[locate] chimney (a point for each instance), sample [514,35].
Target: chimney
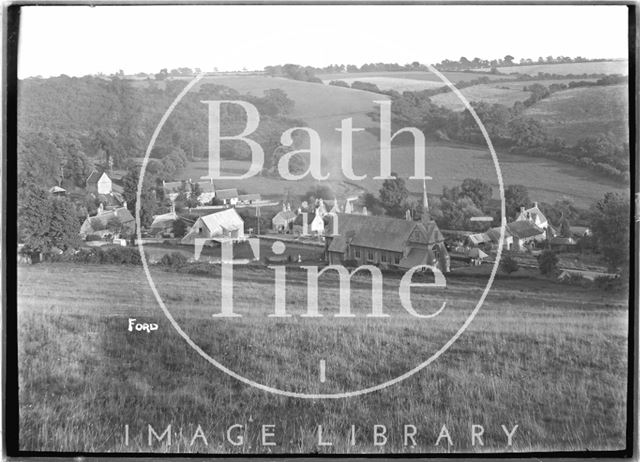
[407,215]
[521,209]
[535,204]
[364,210]
[100,208]
[124,204]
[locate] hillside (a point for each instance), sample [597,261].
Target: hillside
[489,93]
[599,67]
[574,113]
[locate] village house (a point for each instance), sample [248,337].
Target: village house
[207,191]
[283,220]
[116,222]
[227,196]
[219,226]
[533,215]
[525,234]
[315,225]
[99,183]
[494,235]
[172,190]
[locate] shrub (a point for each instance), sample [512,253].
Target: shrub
[173,259]
[548,262]
[609,284]
[93,237]
[509,265]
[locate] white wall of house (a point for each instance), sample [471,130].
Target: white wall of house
[105,186]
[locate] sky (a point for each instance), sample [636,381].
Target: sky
[81,40]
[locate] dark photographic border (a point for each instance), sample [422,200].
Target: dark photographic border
[11,28]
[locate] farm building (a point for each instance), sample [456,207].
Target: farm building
[207,190]
[533,215]
[109,223]
[477,240]
[227,196]
[562,243]
[494,235]
[163,224]
[249,199]
[386,241]
[219,226]
[99,183]
[172,189]
[476,256]
[525,233]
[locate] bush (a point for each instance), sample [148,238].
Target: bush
[509,265]
[609,284]
[93,237]
[548,262]
[174,259]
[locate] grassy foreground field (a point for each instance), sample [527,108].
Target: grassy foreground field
[551,359]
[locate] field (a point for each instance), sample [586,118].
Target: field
[603,67]
[454,77]
[549,358]
[323,107]
[489,93]
[580,112]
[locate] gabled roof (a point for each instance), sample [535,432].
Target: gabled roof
[476,253]
[283,215]
[164,220]
[494,233]
[226,219]
[95,176]
[57,189]
[227,193]
[249,197]
[479,238]
[300,217]
[206,186]
[175,186]
[523,229]
[532,212]
[562,241]
[121,214]
[383,233]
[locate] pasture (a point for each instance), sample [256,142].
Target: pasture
[602,67]
[549,358]
[454,77]
[580,112]
[489,93]
[322,107]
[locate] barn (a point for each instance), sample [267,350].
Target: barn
[223,225]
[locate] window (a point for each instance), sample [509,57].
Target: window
[370,255]
[357,253]
[396,259]
[383,257]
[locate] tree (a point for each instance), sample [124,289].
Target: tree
[548,262]
[393,195]
[515,197]
[477,190]
[610,224]
[148,197]
[509,264]
[45,222]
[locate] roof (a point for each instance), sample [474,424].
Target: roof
[494,233]
[283,215]
[206,186]
[479,238]
[175,186]
[581,230]
[249,197]
[95,176]
[57,189]
[523,229]
[226,219]
[383,232]
[164,220]
[227,193]
[122,214]
[476,253]
[562,241]
[533,212]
